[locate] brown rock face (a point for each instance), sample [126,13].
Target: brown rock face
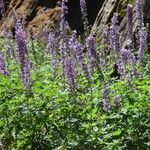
[41,13]
[37,13]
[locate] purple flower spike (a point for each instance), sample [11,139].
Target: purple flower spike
[77,49]
[70,74]
[139,13]
[117,101]
[22,51]
[2,7]
[51,44]
[106,47]
[72,43]
[63,36]
[3,69]
[114,34]
[126,56]
[83,7]
[130,22]
[105,97]
[63,22]
[114,19]
[105,38]
[143,43]
[91,49]
[84,15]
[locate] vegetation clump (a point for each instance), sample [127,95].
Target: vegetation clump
[73,92]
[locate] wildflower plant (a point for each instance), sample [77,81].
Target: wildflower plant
[86,108]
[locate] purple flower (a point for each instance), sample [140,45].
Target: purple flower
[104,51]
[126,59]
[139,13]
[105,38]
[2,7]
[83,8]
[126,56]
[63,36]
[130,22]
[91,49]
[77,49]
[72,43]
[117,101]
[114,19]
[105,96]
[95,61]
[143,44]
[3,69]
[10,45]
[63,22]
[51,44]
[50,50]
[84,15]
[22,51]
[114,34]
[70,73]
[121,68]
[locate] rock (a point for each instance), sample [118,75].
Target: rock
[46,13]
[37,13]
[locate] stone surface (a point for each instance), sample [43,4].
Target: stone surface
[37,13]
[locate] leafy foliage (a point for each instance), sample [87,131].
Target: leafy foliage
[49,116]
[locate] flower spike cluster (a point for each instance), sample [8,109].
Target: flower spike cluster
[22,52]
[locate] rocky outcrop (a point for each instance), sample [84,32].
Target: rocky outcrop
[37,14]
[46,13]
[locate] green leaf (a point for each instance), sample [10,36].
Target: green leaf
[117,132]
[1,123]
[73,120]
